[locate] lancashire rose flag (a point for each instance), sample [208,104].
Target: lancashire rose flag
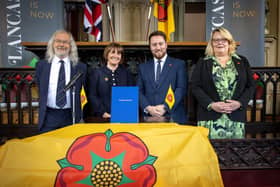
[83,97]
[170,98]
[131,155]
[163,11]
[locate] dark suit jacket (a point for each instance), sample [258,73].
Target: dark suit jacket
[100,83]
[204,90]
[174,74]
[42,78]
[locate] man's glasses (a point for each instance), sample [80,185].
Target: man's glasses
[62,41]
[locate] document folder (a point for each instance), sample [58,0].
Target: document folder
[124,107]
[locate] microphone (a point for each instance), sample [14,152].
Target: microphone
[73,81]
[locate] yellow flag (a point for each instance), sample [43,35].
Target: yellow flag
[170,98]
[133,155]
[83,97]
[163,10]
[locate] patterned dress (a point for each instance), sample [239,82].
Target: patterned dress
[225,79]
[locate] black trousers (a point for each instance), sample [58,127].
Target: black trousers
[56,118]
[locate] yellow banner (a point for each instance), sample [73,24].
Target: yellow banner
[131,155]
[163,11]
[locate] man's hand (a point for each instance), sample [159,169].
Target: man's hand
[161,109]
[153,111]
[106,115]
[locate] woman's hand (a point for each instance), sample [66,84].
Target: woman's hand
[233,105]
[226,107]
[220,107]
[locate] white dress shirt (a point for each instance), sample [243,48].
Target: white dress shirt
[55,66]
[162,61]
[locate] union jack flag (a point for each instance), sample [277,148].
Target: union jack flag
[93,18]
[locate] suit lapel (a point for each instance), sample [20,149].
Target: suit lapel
[151,72]
[209,65]
[47,73]
[73,70]
[168,65]
[237,65]
[239,70]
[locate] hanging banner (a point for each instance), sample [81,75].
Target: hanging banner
[245,21]
[30,21]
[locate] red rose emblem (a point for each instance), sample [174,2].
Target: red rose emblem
[170,97]
[107,159]
[162,10]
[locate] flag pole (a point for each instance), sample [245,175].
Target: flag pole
[149,19]
[111,23]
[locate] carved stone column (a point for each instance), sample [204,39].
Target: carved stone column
[270,51]
[273,29]
[179,13]
[278,35]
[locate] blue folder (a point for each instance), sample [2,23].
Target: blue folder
[124,107]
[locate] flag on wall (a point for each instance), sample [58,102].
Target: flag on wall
[163,10]
[170,98]
[83,97]
[93,18]
[153,155]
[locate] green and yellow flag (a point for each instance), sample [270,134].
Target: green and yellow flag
[131,155]
[163,11]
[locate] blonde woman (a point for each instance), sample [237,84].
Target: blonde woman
[222,85]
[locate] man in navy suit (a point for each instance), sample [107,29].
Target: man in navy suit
[55,106]
[154,79]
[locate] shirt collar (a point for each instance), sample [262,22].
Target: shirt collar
[163,59]
[56,59]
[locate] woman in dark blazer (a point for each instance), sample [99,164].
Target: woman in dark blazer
[101,81]
[222,84]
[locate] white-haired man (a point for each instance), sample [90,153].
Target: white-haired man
[52,75]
